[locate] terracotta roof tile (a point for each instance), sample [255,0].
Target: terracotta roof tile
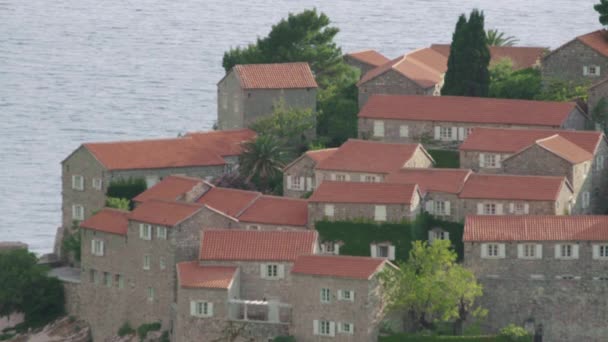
[277,211]
[250,245]
[169,189]
[359,192]
[224,143]
[229,201]
[318,155]
[193,275]
[337,266]
[565,149]
[536,228]
[521,56]
[440,180]
[467,109]
[368,156]
[108,220]
[164,213]
[510,187]
[596,40]
[275,76]
[371,57]
[513,140]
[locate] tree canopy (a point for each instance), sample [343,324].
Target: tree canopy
[497,38]
[602,9]
[262,163]
[467,73]
[506,83]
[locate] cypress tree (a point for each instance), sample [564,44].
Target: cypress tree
[452,85]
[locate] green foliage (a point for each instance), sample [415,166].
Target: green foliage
[118,203]
[165,337]
[126,188]
[433,338]
[467,73]
[284,339]
[557,90]
[262,161]
[497,38]
[599,114]
[6,336]
[514,333]
[602,10]
[71,242]
[338,108]
[431,287]
[125,330]
[144,329]
[445,158]
[358,235]
[293,127]
[26,288]
[508,84]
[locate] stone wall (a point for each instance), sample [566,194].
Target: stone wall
[357,64]
[390,83]
[351,211]
[262,102]
[321,175]
[267,226]
[567,62]
[595,94]
[456,214]
[230,103]
[71,292]
[303,167]
[470,160]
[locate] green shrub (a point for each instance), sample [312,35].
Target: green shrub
[125,330]
[284,339]
[514,333]
[445,158]
[118,203]
[144,329]
[126,188]
[165,337]
[71,243]
[434,338]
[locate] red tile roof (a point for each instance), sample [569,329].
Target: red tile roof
[318,155]
[510,187]
[521,56]
[597,40]
[277,211]
[440,180]
[513,140]
[467,109]
[565,149]
[250,245]
[229,201]
[536,228]
[224,143]
[164,213]
[352,267]
[371,57]
[359,192]
[369,156]
[424,66]
[108,220]
[192,275]
[169,189]
[275,76]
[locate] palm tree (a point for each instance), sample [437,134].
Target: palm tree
[497,38]
[263,159]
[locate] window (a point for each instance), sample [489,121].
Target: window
[325,295]
[404,131]
[161,233]
[529,251]
[272,271]
[150,293]
[97,247]
[599,163]
[341,177]
[325,328]
[370,179]
[296,184]
[586,199]
[519,209]
[329,210]
[591,70]
[161,263]
[438,234]
[145,231]
[469,130]
[146,262]
[330,247]
[492,250]
[490,160]
[346,328]
[97,183]
[77,212]
[566,251]
[253,227]
[445,133]
[489,209]
[347,295]
[439,208]
[201,309]
[77,182]
[380,213]
[378,128]
[120,281]
[382,252]
[602,251]
[107,279]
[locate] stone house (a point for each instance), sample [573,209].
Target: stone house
[365,60]
[337,298]
[580,156]
[440,186]
[484,194]
[299,175]
[88,171]
[379,202]
[369,161]
[582,61]
[251,91]
[552,269]
[446,121]
[596,93]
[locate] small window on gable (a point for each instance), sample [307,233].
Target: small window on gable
[78,182]
[272,271]
[97,183]
[591,70]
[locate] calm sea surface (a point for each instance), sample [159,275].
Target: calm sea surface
[87,70]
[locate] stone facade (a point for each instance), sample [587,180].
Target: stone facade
[239,108]
[393,83]
[596,93]
[565,297]
[364,312]
[303,169]
[351,211]
[449,212]
[473,160]
[359,65]
[567,64]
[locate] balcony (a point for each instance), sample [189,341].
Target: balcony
[259,311]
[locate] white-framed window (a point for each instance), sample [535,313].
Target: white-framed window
[272,271]
[566,251]
[78,182]
[439,207]
[346,328]
[370,179]
[520,208]
[97,247]
[591,70]
[445,133]
[120,281]
[529,251]
[325,295]
[468,131]
[252,227]
[492,250]
[296,183]
[404,131]
[347,295]
[490,160]
[77,212]
[586,199]
[382,250]
[145,231]
[161,233]
[162,263]
[600,252]
[330,247]
[147,262]
[599,163]
[380,213]
[151,181]
[324,328]
[107,279]
[329,210]
[97,183]
[438,234]
[489,209]
[201,308]
[341,177]
[378,128]
[150,294]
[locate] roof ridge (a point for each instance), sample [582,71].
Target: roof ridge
[183,138]
[248,205]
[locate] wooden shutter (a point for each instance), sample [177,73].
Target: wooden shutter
[340,294]
[482,158]
[499,209]
[447,235]
[596,251]
[391,252]
[479,208]
[340,330]
[315,327]
[557,251]
[263,271]
[332,328]
[93,247]
[437,132]
[484,250]
[501,250]
[575,251]
[281,271]
[461,133]
[373,251]
[497,159]
[102,247]
[520,250]
[141,230]
[454,133]
[431,236]
[404,131]
[597,70]
[308,183]
[585,70]
[539,251]
[448,210]
[336,249]
[192,308]
[333,176]
[209,309]
[526,208]
[302,183]
[352,295]
[289,182]
[428,206]
[511,208]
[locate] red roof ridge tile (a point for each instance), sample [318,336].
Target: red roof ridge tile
[190,274]
[338,266]
[219,212]
[369,56]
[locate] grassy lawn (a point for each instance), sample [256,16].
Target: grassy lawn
[446,158]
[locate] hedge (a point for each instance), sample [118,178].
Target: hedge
[126,188]
[446,158]
[357,235]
